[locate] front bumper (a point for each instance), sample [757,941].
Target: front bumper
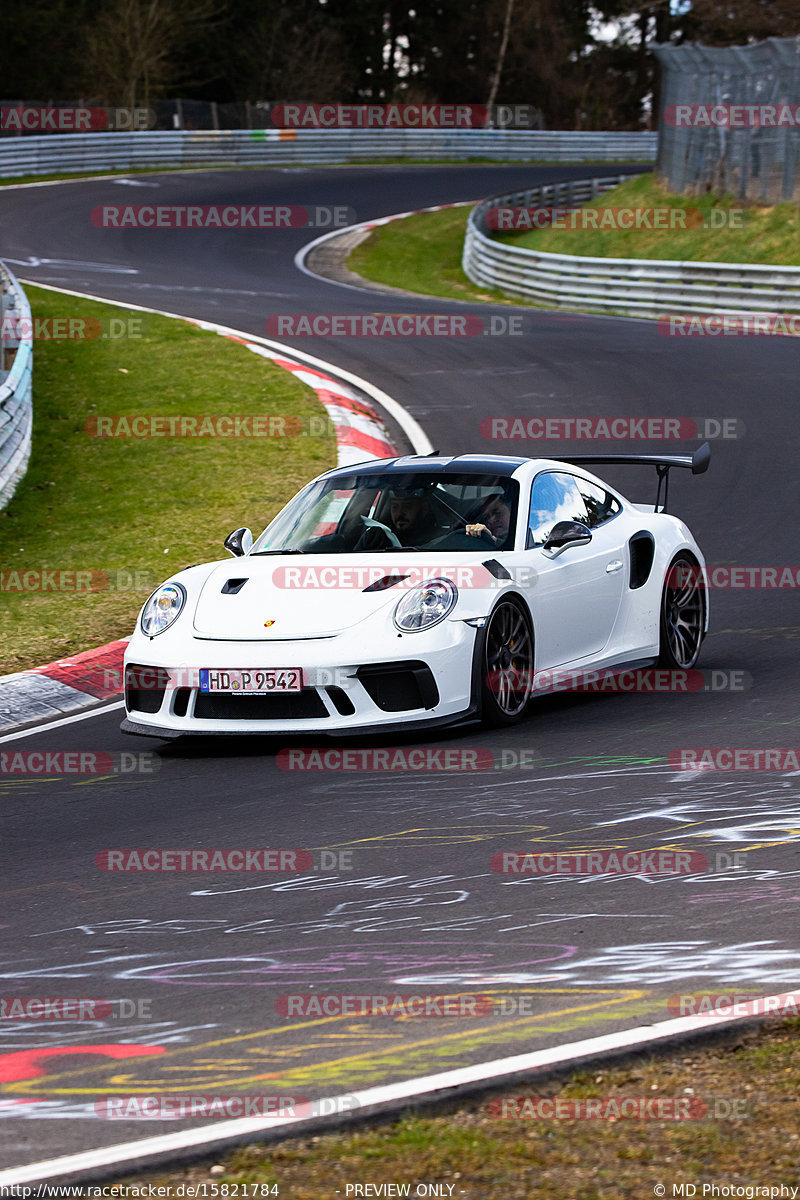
[346,689]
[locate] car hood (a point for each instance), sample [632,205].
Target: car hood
[276,597]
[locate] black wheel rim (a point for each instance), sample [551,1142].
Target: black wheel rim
[683,614]
[509,659]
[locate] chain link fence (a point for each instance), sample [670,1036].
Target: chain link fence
[730,120]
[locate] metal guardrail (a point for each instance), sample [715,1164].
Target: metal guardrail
[16,369]
[633,287]
[81,152]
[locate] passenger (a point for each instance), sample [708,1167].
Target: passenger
[495,519]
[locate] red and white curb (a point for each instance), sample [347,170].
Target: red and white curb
[61,688]
[83,681]
[360,434]
[415,212]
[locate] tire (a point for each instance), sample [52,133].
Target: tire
[683,613]
[505,665]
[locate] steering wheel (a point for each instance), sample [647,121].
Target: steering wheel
[464,541]
[393,538]
[483,536]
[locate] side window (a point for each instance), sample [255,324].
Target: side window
[599,504]
[554,497]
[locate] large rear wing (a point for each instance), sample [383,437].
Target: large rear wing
[697,463]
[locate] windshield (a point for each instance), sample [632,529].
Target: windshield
[363,513]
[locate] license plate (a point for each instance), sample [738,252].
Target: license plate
[251,681]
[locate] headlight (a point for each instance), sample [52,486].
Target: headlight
[163,607]
[425,605]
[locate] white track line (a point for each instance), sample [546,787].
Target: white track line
[83,716]
[359,1103]
[304,251]
[411,428]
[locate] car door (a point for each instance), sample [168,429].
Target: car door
[577,594]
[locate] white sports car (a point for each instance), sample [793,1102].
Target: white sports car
[418,592]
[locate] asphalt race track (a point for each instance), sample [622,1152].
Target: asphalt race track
[411,904]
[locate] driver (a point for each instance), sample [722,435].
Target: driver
[495,519]
[411,516]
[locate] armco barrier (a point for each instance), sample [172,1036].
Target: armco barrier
[634,287]
[74,153]
[16,368]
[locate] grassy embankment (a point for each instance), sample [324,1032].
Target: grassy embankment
[138,509]
[423,253]
[753,1139]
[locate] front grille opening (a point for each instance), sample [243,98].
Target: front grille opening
[341,701]
[290,706]
[145,687]
[180,703]
[399,687]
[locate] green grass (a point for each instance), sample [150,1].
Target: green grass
[355,162]
[55,176]
[421,254]
[482,1155]
[766,234]
[144,507]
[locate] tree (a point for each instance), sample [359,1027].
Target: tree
[134,50]
[285,49]
[39,52]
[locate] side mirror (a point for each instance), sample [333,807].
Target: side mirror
[565,534]
[239,542]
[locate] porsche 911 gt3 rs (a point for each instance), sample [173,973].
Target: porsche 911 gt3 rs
[420,591]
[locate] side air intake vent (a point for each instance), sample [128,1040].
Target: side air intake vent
[642,547]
